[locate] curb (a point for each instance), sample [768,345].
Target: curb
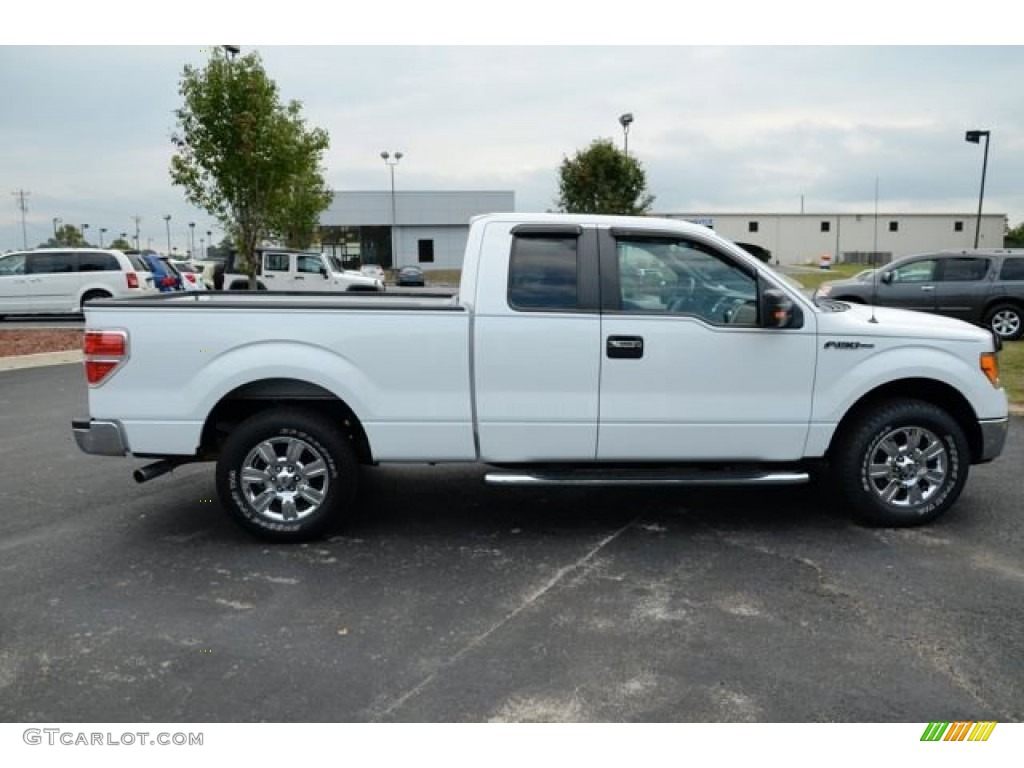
[16,362]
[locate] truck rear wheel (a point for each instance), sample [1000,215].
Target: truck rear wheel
[904,464]
[287,475]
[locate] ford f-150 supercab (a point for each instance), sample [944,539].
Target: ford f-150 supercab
[578,350]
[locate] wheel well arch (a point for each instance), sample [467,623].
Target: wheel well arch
[931,391]
[996,301]
[265,394]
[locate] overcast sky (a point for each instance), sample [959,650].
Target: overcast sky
[85,130]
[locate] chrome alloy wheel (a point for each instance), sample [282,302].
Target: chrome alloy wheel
[907,466]
[1006,323]
[285,479]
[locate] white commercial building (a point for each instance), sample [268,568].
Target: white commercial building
[424,228]
[801,238]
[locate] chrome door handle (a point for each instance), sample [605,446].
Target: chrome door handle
[927,287]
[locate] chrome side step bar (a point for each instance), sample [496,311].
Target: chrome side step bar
[646,477]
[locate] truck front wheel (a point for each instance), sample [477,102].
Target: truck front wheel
[287,474]
[904,464]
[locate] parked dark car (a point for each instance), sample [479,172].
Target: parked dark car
[985,287]
[411,275]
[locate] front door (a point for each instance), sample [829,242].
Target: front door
[688,373]
[13,284]
[909,286]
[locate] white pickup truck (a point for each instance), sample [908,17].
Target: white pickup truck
[579,350]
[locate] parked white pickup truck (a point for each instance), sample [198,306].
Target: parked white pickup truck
[579,350]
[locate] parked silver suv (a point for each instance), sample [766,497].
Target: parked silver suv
[985,287]
[60,280]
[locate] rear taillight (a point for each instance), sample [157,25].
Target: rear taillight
[133,279]
[104,351]
[190,277]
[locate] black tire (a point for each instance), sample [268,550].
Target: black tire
[90,295]
[1006,321]
[318,500]
[921,459]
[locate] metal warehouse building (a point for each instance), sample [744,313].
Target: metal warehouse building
[430,228]
[800,238]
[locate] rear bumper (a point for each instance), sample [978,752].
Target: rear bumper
[104,438]
[993,438]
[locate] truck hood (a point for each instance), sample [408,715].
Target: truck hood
[898,322]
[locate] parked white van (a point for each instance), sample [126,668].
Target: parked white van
[60,280]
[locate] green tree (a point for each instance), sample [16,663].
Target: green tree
[120,244]
[1014,237]
[603,179]
[246,158]
[67,236]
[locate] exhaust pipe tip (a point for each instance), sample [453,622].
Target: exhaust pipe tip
[150,471]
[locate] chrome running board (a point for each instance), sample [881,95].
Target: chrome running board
[646,477]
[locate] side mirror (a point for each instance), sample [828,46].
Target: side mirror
[778,310]
[323,271]
[886,277]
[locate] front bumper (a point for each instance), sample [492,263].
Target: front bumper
[104,438]
[993,438]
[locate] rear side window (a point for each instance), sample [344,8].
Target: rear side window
[543,273]
[964,269]
[137,263]
[51,263]
[1013,269]
[276,262]
[97,262]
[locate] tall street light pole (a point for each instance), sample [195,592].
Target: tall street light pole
[975,138]
[103,231]
[625,120]
[56,221]
[191,239]
[391,163]
[167,221]
[84,227]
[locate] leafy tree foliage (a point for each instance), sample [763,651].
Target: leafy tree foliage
[246,158]
[1014,237]
[120,244]
[67,236]
[603,179]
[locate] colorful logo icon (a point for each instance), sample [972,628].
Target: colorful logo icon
[958,731]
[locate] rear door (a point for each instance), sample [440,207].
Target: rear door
[536,345]
[687,371]
[53,281]
[963,287]
[277,271]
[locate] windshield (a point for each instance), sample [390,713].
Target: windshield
[336,265]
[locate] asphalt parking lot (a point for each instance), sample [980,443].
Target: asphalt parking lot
[444,600]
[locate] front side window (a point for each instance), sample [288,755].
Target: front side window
[14,264]
[51,263]
[964,269]
[683,277]
[915,272]
[309,264]
[543,273]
